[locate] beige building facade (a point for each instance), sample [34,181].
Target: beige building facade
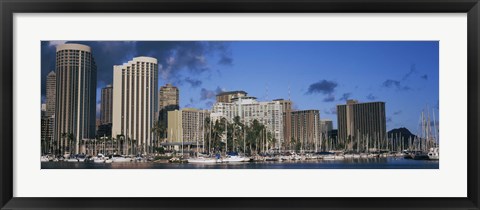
[187,124]
[268,113]
[227,97]
[306,129]
[106,105]
[75,96]
[51,92]
[363,120]
[135,100]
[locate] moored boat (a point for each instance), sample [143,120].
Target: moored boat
[121,159]
[202,160]
[434,153]
[44,159]
[100,158]
[81,158]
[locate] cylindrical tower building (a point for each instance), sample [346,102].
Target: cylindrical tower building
[75,107]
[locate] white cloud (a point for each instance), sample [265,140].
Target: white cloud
[56,43]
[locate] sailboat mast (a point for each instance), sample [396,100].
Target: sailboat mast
[196,133]
[226,137]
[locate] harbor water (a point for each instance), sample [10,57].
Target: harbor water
[361,163]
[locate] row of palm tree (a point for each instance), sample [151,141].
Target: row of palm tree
[222,136]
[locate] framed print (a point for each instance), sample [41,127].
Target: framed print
[239,105]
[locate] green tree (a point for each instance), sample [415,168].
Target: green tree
[70,142]
[63,143]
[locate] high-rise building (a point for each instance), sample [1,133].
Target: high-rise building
[75,97]
[248,109]
[50,97]
[226,97]
[326,127]
[135,101]
[168,100]
[106,105]
[287,121]
[363,120]
[306,129]
[47,133]
[44,109]
[187,124]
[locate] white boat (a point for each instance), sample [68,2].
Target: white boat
[121,159]
[329,157]
[44,159]
[108,161]
[71,159]
[339,157]
[66,155]
[348,156]
[203,160]
[434,153]
[81,158]
[99,159]
[235,158]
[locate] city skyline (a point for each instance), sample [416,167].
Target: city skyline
[314,75]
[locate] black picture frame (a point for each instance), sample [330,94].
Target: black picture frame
[10,7]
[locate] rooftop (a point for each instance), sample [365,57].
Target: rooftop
[232,92]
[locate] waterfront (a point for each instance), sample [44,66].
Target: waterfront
[364,163]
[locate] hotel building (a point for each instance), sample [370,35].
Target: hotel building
[226,97]
[326,126]
[365,120]
[268,113]
[135,100]
[75,96]
[306,129]
[50,97]
[187,124]
[287,122]
[106,105]
[168,100]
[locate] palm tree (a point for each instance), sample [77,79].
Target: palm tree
[254,134]
[270,140]
[120,138]
[206,127]
[64,136]
[237,130]
[70,141]
[218,132]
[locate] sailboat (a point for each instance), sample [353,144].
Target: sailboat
[434,153]
[202,159]
[425,140]
[234,157]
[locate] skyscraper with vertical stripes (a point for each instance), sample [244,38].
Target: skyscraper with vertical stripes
[305,129]
[106,105]
[361,120]
[135,101]
[75,103]
[50,97]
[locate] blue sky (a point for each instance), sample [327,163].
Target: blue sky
[313,74]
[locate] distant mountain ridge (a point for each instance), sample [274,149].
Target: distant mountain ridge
[400,133]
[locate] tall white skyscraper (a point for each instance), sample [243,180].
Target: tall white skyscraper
[76,83]
[135,99]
